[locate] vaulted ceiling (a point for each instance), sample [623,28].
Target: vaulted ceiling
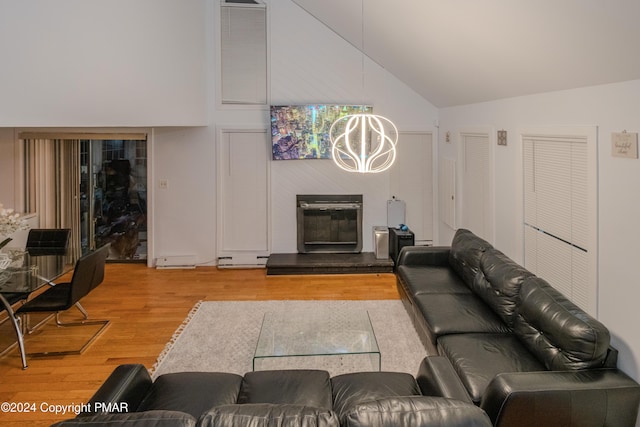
[456,52]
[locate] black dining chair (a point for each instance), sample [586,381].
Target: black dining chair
[87,275]
[47,241]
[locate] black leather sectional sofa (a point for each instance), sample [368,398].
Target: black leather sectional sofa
[504,349]
[507,340]
[283,398]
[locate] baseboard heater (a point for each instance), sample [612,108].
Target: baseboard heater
[176,262]
[242,261]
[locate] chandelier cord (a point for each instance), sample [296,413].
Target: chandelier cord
[362,52]
[364,142]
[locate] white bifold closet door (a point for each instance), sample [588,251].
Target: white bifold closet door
[558,218]
[243,198]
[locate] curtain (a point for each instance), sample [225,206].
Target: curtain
[52,185]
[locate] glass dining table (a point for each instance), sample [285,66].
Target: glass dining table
[27,273]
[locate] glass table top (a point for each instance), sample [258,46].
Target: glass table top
[316,333]
[26,273]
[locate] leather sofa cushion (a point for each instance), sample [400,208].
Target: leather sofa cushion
[457,313]
[268,415]
[133,419]
[558,332]
[304,387]
[477,358]
[431,280]
[415,411]
[499,284]
[351,389]
[205,389]
[465,253]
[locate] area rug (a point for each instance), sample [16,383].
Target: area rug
[221,336]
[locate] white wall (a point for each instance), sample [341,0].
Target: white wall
[612,108]
[308,64]
[7,168]
[152,64]
[182,216]
[102,63]
[311,64]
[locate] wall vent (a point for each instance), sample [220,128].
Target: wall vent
[243,2]
[242,261]
[176,261]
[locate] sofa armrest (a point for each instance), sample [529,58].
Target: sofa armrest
[436,377]
[424,255]
[122,391]
[589,397]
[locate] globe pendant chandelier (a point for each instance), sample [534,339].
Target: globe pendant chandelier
[364,143]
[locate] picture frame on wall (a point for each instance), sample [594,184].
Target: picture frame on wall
[302,131]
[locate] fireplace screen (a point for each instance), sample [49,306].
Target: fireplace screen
[329,223]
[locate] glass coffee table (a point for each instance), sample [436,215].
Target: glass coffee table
[306,334]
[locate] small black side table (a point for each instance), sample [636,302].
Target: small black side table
[397,240]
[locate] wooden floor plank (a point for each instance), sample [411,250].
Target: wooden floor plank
[145,307]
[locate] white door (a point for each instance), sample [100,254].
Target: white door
[243,198]
[411,180]
[476,207]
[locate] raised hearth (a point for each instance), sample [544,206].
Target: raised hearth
[327,263]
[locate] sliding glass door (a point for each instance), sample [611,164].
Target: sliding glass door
[113,197]
[93,184]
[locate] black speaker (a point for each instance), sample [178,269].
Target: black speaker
[399,239]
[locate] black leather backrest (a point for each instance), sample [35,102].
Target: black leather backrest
[133,419]
[101,258]
[354,388]
[464,257]
[268,414]
[192,392]
[47,241]
[558,332]
[416,411]
[303,387]
[499,283]
[88,273]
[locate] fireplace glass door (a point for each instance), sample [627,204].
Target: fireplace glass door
[329,223]
[331,227]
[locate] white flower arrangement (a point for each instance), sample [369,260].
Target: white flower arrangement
[10,222]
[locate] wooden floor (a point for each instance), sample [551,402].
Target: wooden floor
[145,307]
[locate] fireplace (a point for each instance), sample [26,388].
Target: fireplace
[329,223]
